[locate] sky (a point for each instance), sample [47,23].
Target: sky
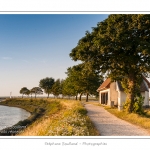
[33,47]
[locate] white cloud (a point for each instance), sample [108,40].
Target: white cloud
[6,58]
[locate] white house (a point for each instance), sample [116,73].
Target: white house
[112,93]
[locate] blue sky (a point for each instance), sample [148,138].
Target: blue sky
[33,47]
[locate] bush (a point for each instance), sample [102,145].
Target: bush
[137,106]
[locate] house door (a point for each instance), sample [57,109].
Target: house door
[104,98]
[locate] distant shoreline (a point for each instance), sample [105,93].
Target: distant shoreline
[1,99]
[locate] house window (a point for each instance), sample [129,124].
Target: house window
[104,98]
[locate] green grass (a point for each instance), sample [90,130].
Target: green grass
[37,108]
[53,117]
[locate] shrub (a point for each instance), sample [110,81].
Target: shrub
[138,105]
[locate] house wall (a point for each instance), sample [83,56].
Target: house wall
[113,93]
[107,90]
[121,99]
[146,98]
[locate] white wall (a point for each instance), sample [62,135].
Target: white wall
[146,99]
[121,99]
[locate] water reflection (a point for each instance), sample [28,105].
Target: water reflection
[11,115]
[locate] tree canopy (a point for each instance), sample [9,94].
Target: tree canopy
[120,47]
[24,91]
[36,91]
[56,89]
[83,80]
[47,84]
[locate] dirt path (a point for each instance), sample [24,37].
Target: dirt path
[109,125]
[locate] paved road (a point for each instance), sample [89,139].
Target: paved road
[109,125]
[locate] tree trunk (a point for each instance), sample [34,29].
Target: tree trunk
[48,95]
[76,97]
[80,97]
[35,95]
[130,97]
[87,97]
[132,91]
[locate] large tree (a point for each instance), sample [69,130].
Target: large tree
[56,88]
[69,88]
[24,91]
[47,84]
[84,79]
[73,81]
[120,47]
[36,91]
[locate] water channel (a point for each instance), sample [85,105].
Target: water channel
[11,115]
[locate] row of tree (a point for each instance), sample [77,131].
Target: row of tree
[34,90]
[49,85]
[78,82]
[81,80]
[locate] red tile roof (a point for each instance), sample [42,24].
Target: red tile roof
[104,84]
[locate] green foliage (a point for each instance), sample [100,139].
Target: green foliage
[137,106]
[56,88]
[36,91]
[24,91]
[82,79]
[47,84]
[119,46]
[69,88]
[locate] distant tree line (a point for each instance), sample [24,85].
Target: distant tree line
[79,81]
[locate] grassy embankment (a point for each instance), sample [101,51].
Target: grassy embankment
[51,117]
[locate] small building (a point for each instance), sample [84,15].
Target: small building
[112,93]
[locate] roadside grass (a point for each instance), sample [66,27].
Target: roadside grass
[139,120]
[71,120]
[55,117]
[37,108]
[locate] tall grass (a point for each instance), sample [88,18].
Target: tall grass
[58,117]
[71,120]
[37,108]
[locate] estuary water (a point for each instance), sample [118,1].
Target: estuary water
[11,115]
